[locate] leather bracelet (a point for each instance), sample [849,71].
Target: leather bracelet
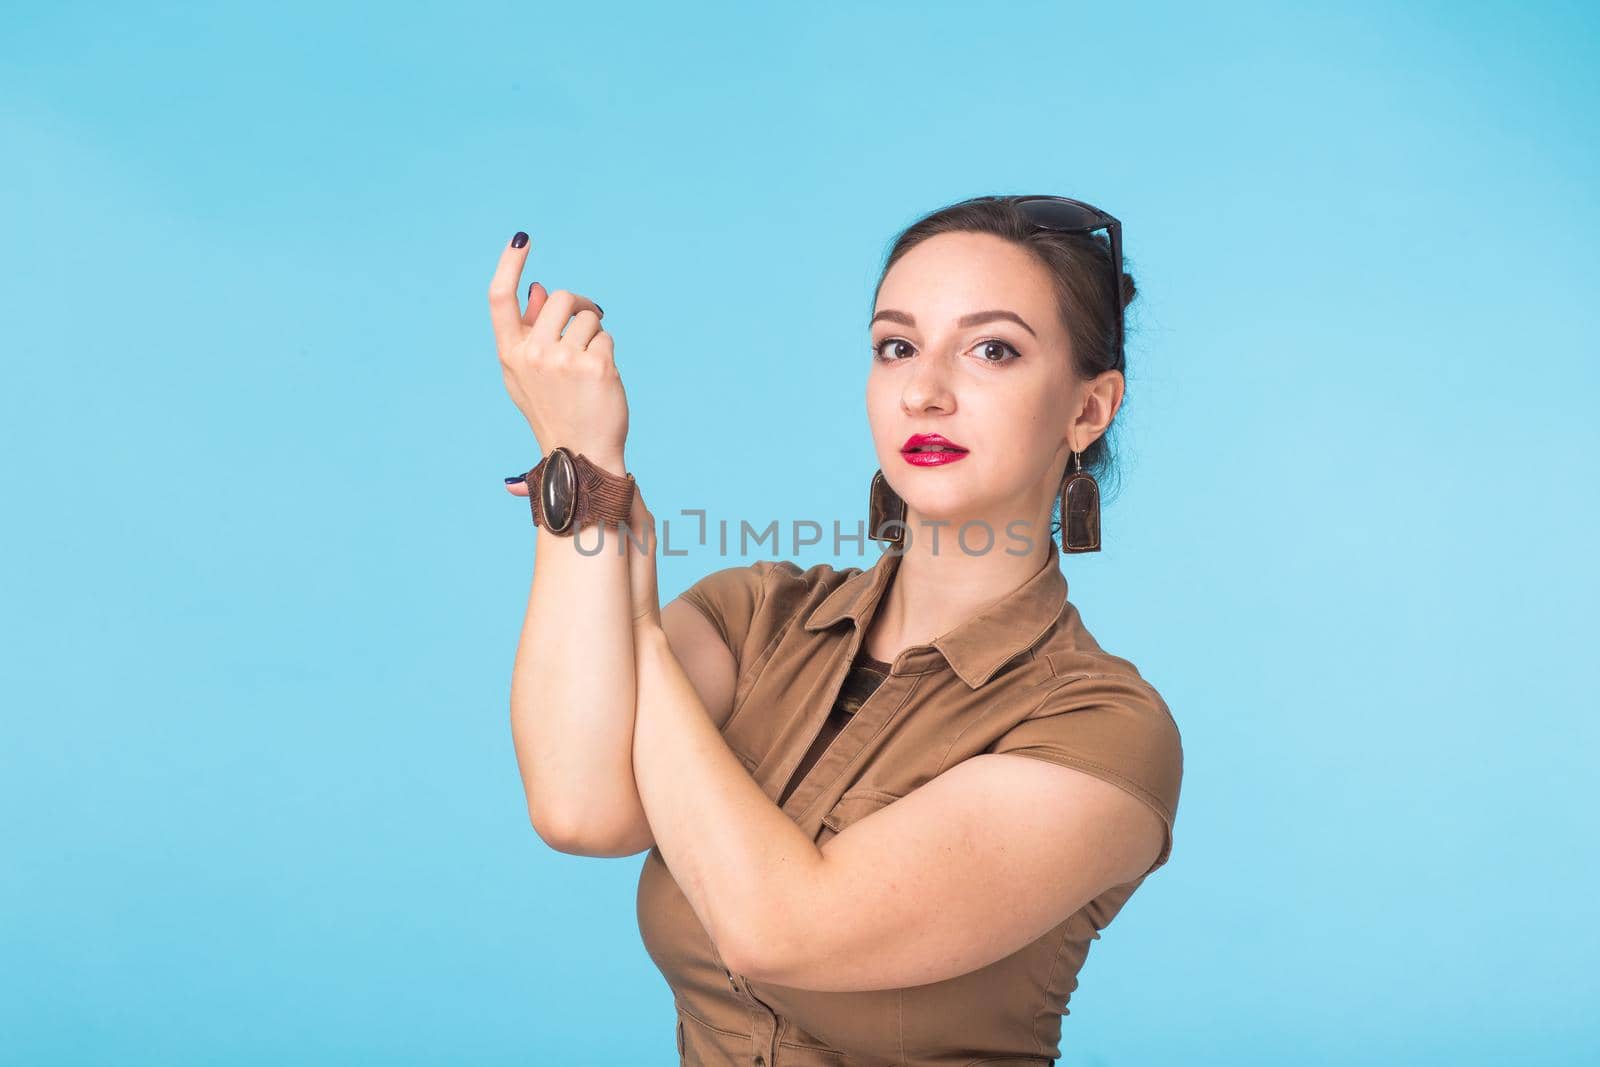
[568,491]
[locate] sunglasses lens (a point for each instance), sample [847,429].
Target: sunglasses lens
[1060,214]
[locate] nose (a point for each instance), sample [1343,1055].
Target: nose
[927,387]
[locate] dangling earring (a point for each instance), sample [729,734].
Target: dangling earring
[1080,509]
[884,506]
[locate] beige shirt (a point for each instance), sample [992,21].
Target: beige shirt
[1022,676]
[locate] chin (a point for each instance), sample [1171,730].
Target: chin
[950,505]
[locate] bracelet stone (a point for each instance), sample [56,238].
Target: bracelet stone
[567,491]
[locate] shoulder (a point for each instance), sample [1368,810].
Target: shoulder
[751,581]
[1098,714]
[780,579]
[750,600]
[1083,675]
[738,579]
[793,588]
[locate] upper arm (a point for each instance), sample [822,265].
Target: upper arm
[707,626]
[1076,797]
[706,658]
[1113,725]
[965,870]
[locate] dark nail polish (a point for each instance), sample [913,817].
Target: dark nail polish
[514,479]
[599,310]
[530,289]
[519,240]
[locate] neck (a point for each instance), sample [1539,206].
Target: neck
[933,592]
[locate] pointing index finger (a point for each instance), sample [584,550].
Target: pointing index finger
[504,311]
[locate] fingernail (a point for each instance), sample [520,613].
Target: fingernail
[519,239]
[530,289]
[599,310]
[514,479]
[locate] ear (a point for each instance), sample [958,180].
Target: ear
[1102,398]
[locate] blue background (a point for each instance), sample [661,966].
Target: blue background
[263,586]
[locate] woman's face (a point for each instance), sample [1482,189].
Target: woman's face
[1004,391]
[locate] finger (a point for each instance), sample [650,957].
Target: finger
[585,324]
[639,516]
[560,307]
[642,534]
[603,344]
[537,295]
[516,486]
[504,312]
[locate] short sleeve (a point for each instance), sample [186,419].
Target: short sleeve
[730,598]
[1115,727]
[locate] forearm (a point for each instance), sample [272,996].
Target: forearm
[572,686]
[729,847]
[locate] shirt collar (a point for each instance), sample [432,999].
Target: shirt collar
[983,644]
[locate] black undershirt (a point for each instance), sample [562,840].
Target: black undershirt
[866,674]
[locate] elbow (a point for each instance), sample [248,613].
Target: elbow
[737,962]
[562,836]
[571,840]
[750,951]
[557,825]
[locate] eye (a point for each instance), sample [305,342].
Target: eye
[983,346]
[877,351]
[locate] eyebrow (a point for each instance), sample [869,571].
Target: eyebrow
[977,318]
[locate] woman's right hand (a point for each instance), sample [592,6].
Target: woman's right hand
[565,384]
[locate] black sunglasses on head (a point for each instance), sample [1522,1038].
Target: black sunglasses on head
[1065,215]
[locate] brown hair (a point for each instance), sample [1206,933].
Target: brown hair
[1080,269]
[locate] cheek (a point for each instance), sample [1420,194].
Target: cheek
[1021,417]
[1022,436]
[883,405]
[884,392]
[1044,412]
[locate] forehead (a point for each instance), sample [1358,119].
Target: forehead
[962,271]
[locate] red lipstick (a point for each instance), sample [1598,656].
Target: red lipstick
[931,450]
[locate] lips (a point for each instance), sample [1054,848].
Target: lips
[931,450]
[931,442]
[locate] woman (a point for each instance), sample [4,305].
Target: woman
[853,860]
